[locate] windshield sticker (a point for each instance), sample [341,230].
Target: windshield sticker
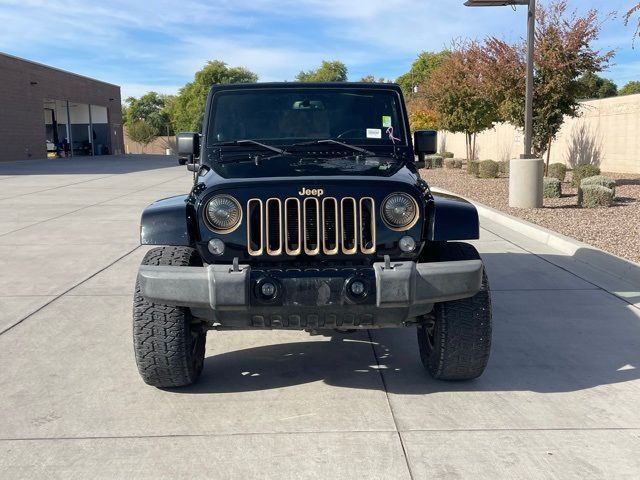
[386,121]
[374,133]
[391,137]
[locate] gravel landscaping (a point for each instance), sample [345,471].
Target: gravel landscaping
[615,229]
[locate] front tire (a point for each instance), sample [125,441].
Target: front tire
[455,342]
[169,343]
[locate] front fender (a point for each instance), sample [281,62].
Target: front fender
[452,218]
[168,222]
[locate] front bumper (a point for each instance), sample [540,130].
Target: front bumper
[312,298]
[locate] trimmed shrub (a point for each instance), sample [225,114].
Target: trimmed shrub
[446,154]
[583,171]
[596,196]
[488,169]
[452,163]
[552,187]
[557,170]
[473,167]
[433,161]
[503,167]
[599,180]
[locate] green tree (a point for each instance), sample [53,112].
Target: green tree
[141,132]
[150,108]
[329,71]
[372,79]
[186,110]
[564,53]
[594,86]
[630,88]
[421,116]
[458,94]
[420,71]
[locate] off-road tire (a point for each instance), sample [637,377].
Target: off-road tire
[456,342]
[168,342]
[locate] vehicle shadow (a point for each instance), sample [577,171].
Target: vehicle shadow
[104,164]
[560,336]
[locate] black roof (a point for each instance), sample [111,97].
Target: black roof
[363,85]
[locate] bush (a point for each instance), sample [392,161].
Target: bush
[596,196]
[433,161]
[446,155]
[599,180]
[473,167]
[583,171]
[557,170]
[552,187]
[488,169]
[452,163]
[503,167]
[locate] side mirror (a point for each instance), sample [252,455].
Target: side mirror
[188,145]
[425,142]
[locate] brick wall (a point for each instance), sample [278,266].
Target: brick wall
[25,85]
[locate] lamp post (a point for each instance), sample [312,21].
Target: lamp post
[525,181]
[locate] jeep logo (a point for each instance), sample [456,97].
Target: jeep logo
[316,192]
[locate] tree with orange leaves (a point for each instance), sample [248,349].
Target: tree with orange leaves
[458,92]
[563,53]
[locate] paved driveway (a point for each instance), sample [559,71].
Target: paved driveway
[560,398]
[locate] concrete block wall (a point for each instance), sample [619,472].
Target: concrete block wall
[610,128]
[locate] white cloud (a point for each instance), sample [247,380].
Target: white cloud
[160,44]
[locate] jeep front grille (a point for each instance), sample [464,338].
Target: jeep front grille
[313,226]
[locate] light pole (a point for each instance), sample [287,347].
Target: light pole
[525,182]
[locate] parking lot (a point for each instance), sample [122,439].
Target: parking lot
[560,397]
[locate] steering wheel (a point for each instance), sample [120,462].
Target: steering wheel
[354,133]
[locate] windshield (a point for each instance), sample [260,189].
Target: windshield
[285,116]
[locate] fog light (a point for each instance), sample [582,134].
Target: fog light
[357,287]
[407,244]
[216,246]
[268,289]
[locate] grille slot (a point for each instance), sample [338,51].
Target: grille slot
[367,225]
[292,220]
[330,226]
[312,226]
[254,227]
[274,226]
[349,226]
[311,214]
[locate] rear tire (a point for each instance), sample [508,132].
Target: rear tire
[169,344]
[455,342]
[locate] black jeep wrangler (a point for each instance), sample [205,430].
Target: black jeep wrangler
[308,213]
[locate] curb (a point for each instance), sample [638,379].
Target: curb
[583,252]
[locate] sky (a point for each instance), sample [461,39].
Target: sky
[158,45]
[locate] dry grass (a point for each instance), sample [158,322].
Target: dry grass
[615,230]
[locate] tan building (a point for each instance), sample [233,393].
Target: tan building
[45,111]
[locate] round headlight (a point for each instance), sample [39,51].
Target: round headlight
[223,213]
[399,211]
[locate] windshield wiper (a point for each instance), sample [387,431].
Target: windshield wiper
[336,142]
[251,142]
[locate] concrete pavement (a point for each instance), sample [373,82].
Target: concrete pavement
[559,398]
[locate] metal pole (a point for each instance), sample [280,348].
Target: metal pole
[528,120]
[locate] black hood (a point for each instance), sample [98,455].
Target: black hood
[299,168]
